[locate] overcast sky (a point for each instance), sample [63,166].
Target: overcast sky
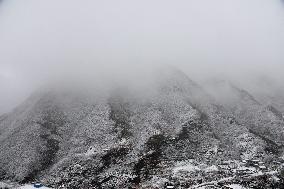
[41,39]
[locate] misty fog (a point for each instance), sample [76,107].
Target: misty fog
[105,41]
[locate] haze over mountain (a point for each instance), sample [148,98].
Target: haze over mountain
[142,94]
[42,40]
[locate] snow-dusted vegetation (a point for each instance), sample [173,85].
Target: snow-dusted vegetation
[177,136]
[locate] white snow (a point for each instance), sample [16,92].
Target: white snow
[3,185]
[170,187]
[188,167]
[236,186]
[90,152]
[211,169]
[226,179]
[28,186]
[252,169]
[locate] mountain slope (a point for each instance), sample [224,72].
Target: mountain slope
[263,120]
[123,138]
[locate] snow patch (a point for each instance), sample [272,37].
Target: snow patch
[185,166]
[236,186]
[28,186]
[211,169]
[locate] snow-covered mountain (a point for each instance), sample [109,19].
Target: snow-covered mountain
[122,138]
[258,115]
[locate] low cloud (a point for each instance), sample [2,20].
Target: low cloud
[44,40]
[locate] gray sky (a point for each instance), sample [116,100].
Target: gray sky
[44,39]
